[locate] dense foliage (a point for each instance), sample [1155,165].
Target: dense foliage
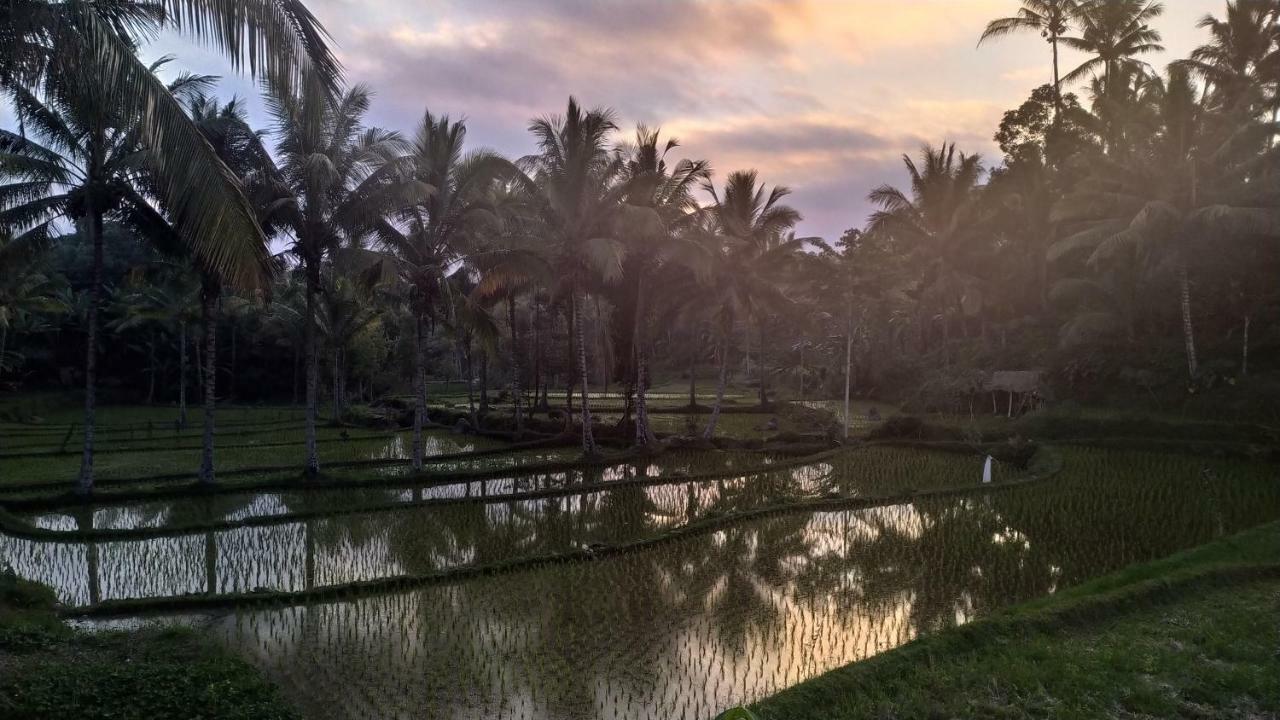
[1125,244]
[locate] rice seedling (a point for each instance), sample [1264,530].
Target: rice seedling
[739,585]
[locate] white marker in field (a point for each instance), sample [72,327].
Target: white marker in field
[986,470]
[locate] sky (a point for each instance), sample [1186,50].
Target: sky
[823,96]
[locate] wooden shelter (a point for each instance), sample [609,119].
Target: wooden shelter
[1025,385]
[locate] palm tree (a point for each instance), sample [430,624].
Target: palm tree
[668,192]
[85,161]
[334,185]
[579,194]
[512,260]
[450,208]
[936,224]
[1235,62]
[1051,19]
[240,148]
[1114,33]
[743,249]
[755,223]
[42,41]
[1195,181]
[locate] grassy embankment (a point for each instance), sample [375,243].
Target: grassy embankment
[1195,635]
[49,670]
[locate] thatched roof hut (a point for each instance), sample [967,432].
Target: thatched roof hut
[1016,381]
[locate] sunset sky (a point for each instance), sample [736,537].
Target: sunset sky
[821,96]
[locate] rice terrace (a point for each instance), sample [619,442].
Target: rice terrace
[306,416]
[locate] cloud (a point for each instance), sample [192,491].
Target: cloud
[821,95]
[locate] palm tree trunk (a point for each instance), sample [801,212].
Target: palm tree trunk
[231,369]
[848,368]
[419,389]
[764,393]
[571,365]
[182,373]
[516,390]
[588,438]
[537,349]
[471,380]
[195,349]
[209,311]
[312,468]
[602,347]
[710,432]
[151,367]
[1057,82]
[484,382]
[1244,353]
[1188,332]
[644,431]
[84,485]
[335,372]
[693,372]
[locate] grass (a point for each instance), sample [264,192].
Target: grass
[48,670]
[1193,635]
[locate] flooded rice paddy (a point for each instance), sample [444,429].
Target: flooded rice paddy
[671,587]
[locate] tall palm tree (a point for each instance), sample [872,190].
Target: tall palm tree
[450,206]
[1051,19]
[936,224]
[756,222]
[579,193]
[240,148]
[1235,61]
[335,183]
[1114,33]
[744,243]
[96,42]
[82,158]
[1196,181]
[511,257]
[654,240]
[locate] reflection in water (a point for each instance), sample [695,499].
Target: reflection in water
[680,629]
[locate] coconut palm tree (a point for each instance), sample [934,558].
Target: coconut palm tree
[96,42]
[668,191]
[1114,33]
[1195,182]
[1235,62]
[450,207]
[512,259]
[240,148]
[81,160]
[936,225]
[756,223]
[744,245]
[1051,19]
[578,199]
[334,184]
